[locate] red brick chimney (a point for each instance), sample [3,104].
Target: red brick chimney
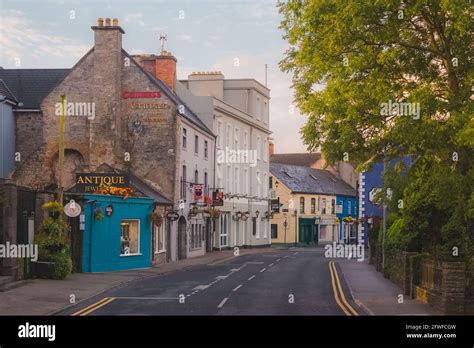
[162,67]
[165,69]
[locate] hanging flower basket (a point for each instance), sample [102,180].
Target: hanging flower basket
[156,218]
[98,213]
[54,208]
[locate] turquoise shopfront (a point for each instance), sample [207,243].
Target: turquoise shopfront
[118,233]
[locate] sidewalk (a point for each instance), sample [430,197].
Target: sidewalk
[45,296]
[376,294]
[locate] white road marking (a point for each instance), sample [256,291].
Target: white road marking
[201,287]
[278,260]
[262,270]
[221,277]
[270,265]
[251,277]
[237,288]
[145,298]
[235,269]
[287,256]
[222,302]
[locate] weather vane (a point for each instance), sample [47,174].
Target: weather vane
[162,40]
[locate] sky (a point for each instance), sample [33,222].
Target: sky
[204,35]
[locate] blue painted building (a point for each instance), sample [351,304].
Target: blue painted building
[7,130]
[369,213]
[347,214]
[119,241]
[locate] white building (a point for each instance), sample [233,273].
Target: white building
[237,111]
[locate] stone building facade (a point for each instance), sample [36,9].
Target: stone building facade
[117,114]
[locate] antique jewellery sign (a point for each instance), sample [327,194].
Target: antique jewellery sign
[91,182]
[72,209]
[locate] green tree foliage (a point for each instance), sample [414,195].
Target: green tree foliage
[370,53]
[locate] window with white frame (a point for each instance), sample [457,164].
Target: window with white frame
[259,149]
[236,138]
[159,232]
[206,149]
[258,108]
[229,136]
[236,180]
[246,140]
[258,182]
[185,138]
[264,185]
[130,237]
[349,208]
[224,229]
[265,150]
[245,182]
[228,186]
[196,144]
[220,134]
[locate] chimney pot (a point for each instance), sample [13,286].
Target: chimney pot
[107,22]
[100,22]
[115,22]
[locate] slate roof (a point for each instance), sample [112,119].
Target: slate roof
[297,159]
[301,179]
[30,86]
[5,91]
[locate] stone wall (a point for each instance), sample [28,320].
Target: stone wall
[8,224]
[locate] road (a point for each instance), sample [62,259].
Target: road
[295,281]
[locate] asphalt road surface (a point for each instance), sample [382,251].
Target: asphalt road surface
[295,281]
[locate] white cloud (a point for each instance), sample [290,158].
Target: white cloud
[136,18]
[20,40]
[184,37]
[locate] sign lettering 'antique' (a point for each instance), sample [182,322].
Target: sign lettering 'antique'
[90,182]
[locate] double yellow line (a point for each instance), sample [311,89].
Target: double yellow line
[94,306]
[339,293]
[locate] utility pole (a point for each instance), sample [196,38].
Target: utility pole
[61,151]
[384,215]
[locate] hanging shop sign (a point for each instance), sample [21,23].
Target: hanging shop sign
[198,192]
[72,209]
[140,95]
[109,210]
[172,215]
[90,182]
[218,198]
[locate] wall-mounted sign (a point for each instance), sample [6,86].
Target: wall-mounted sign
[72,209]
[143,94]
[149,106]
[109,210]
[172,215]
[90,182]
[198,192]
[218,198]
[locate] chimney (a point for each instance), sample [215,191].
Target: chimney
[165,69]
[271,148]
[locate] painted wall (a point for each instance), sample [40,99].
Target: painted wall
[346,202]
[101,242]
[7,140]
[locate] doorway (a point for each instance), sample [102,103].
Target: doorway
[182,238]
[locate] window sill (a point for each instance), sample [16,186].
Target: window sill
[160,252]
[123,255]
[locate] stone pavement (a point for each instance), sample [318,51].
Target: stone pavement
[45,296]
[377,294]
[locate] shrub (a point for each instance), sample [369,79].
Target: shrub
[62,266]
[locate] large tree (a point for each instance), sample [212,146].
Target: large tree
[370,54]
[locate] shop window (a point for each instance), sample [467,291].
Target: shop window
[159,238]
[223,229]
[274,231]
[130,237]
